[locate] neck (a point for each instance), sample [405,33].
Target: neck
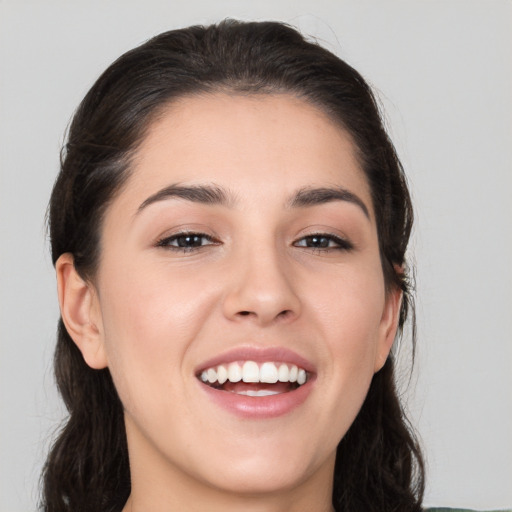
[227,503]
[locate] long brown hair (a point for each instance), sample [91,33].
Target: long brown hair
[379,465]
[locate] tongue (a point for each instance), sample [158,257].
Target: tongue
[237,387]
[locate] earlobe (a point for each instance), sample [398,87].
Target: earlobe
[388,326]
[80,312]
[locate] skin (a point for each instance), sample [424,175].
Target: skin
[153,313]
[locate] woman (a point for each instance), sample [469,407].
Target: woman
[229,230]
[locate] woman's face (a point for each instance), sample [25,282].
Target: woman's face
[243,246]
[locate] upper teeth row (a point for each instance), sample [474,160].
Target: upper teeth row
[250,371]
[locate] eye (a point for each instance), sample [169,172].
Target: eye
[187,242]
[324,242]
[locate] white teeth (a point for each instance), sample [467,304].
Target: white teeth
[234,372]
[250,372]
[211,374]
[268,373]
[222,374]
[260,392]
[284,373]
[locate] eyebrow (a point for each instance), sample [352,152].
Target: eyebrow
[314,196]
[205,194]
[215,195]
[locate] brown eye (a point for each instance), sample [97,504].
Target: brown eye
[187,241]
[323,241]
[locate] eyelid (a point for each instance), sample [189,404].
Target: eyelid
[165,240]
[343,243]
[337,241]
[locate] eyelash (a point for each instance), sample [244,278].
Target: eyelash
[167,241]
[340,244]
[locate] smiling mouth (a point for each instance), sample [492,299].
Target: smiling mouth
[255,379]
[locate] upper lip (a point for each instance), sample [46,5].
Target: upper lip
[258,355]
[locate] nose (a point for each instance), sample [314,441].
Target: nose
[261,289]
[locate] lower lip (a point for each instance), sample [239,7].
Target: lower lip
[259,407]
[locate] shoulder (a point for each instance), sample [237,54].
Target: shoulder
[446,509]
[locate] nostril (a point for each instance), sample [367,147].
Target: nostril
[263,317]
[282,315]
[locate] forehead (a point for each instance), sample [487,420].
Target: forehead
[260,146]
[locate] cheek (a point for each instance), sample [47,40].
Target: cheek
[150,319]
[348,316]
[148,304]
[349,305]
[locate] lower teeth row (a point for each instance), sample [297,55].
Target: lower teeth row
[260,392]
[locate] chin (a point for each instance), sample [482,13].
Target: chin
[260,477]
[266,471]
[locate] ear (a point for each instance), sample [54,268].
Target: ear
[80,311]
[388,326]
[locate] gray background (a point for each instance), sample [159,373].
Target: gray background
[444,75]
